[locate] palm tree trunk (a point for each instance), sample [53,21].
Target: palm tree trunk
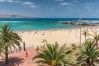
[53,63]
[88,65]
[88,62]
[6,55]
[92,62]
[85,37]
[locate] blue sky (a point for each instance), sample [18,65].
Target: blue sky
[51,8]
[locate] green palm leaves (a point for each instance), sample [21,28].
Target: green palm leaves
[96,38]
[54,55]
[86,33]
[95,35]
[88,53]
[8,40]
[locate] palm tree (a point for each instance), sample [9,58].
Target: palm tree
[88,53]
[9,40]
[86,33]
[96,38]
[53,55]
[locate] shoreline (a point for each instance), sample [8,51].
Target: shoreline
[57,29]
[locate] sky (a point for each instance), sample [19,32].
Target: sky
[51,8]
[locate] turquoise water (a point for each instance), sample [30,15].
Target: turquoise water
[38,24]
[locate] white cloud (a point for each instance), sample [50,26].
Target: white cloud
[33,6]
[65,3]
[17,1]
[59,0]
[30,4]
[11,1]
[2,0]
[27,3]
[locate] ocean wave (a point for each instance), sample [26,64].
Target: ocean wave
[12,21]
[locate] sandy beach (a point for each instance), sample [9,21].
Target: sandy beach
[63,36]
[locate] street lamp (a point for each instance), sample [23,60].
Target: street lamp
[80,30]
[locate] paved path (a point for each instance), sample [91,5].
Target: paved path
[21,59]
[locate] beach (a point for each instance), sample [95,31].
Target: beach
[62,36]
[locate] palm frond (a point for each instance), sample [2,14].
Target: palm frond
[53,54]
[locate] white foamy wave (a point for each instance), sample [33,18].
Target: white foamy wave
[11,21]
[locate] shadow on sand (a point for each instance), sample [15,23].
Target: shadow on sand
[13,61]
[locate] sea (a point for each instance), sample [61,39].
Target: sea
[45,23]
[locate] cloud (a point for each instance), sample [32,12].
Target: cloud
[2,0]
[27,3]
[65,4]
[17,1]
[30,4]
[33,6]
[13,1]
[10,1]
[59,0]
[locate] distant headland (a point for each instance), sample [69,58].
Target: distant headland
[14,16]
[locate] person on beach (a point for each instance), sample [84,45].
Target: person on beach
[35,33]
[24,46]
[19,49]
[26,54]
